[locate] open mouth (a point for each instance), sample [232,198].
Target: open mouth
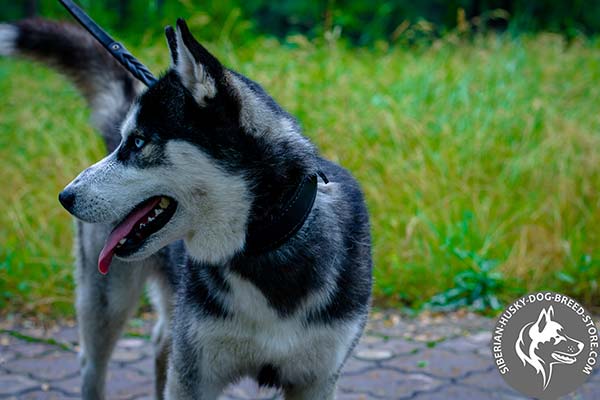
[131,233]
[563,358]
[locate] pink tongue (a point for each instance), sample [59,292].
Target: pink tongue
[120,232]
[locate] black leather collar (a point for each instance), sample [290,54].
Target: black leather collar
[267,237]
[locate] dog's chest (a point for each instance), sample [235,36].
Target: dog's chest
[255,332]
[247,302]
[257,324]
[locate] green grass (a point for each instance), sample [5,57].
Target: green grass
[471,153]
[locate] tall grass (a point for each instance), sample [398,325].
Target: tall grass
[467,151]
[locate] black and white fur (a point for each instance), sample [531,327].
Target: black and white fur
[229,155]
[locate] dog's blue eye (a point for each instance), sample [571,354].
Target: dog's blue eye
[139,142]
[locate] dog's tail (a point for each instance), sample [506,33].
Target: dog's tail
[108,88]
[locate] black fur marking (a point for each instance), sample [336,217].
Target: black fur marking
[283,282]
[200,284]
[128,88]
[268,376]
[80,244]
[45,39]
[151,155]
[173,259]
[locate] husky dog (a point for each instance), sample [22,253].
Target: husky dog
[206,163]
[543,343]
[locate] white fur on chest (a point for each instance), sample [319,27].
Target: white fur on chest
[256,335]
[256,324]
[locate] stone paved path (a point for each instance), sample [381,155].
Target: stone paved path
[431,358]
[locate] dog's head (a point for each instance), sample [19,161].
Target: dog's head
[544,343]
[203,151]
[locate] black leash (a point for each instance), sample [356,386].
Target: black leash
[116,49]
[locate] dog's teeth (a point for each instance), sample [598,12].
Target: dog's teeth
[150,219]
[157,211]
[122,241]
[142,226]
[164,202]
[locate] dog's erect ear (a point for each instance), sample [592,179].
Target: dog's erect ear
[172,42]
[199,70]
[544,318]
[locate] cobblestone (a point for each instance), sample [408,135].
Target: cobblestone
[427,358]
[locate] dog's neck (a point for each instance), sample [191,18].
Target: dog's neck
[273,230]
[283,183]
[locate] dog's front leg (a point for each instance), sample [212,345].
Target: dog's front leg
[189,377]
[104,304]
[323,390]
[181,385]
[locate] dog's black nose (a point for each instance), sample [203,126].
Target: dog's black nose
[67,199]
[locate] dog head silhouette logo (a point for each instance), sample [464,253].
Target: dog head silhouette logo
[544,343]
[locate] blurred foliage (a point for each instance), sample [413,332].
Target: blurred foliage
[361,22]
[142,21]
[475,288]
[478,157]
[477,152]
